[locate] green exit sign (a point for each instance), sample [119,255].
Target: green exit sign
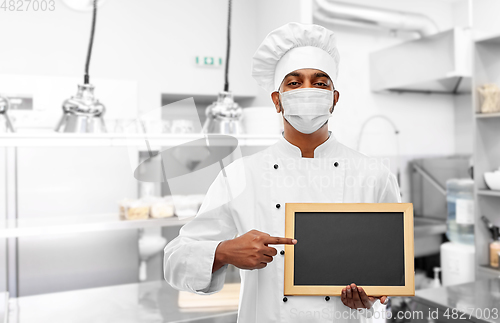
[209,61]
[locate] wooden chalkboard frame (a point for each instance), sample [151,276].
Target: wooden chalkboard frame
[334,290]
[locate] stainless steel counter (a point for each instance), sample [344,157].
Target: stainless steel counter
[479,300]
[132,303]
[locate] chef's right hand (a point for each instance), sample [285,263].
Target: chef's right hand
[248,251]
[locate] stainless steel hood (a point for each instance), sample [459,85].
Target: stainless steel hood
[350,14]
[440,63]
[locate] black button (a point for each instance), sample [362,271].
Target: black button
[335,164]
[275,166]
[327,298]
[282,252]
[285,299]
[278,206]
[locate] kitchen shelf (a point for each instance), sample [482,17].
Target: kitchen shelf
[488,193]
[121,140]
[486,68]
[80,224]
[487,115]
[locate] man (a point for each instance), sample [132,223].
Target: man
[298,65]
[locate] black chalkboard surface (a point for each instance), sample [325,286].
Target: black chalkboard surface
[370,244]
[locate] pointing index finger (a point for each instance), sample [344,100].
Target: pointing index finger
[278,240]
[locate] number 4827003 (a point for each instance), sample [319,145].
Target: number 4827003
[28,5]
[467,313]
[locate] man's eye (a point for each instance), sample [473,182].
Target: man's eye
[321,84]
[293,83]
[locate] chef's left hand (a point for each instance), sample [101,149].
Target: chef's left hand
[355,297]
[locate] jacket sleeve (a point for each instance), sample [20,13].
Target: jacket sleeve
[188,259]
[390,190]
[368,315]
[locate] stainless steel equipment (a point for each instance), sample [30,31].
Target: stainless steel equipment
[428,195]
[394,68]
[4,117]
[82,112]
[223,116]
[428,183]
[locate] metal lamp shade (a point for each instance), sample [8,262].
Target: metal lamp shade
[223,116]
[82,113]
[4,117]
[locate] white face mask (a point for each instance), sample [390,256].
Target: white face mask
[307,109]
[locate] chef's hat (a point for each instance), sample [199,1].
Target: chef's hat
[292,47]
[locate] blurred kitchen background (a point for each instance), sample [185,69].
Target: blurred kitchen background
[82,233]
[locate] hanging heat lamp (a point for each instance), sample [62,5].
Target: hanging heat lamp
[83,113]
[4,117]
[224,115]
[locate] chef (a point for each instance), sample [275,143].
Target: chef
[242,219]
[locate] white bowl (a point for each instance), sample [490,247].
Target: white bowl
[492,179]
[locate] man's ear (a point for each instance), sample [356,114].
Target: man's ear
[275,96]
[336,96]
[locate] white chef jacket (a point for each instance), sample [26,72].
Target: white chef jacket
[250,193]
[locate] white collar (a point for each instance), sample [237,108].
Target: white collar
[322,151]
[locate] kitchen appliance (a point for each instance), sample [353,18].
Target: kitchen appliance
[457,263]
[428,195]
[428,183]
[5,124]
[444,64]
[83,112]
[224,115]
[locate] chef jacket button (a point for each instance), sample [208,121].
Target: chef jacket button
[282,252]
[278,206]
[285,299]
[327,298]
[335,164]
[275,166]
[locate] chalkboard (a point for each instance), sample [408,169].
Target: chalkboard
[370,244]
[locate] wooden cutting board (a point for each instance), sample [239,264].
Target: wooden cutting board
[228,297]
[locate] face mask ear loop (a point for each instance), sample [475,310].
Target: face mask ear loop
[333,106]
[281,105]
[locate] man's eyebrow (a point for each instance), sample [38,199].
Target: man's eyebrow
[321,75]
[296,74]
